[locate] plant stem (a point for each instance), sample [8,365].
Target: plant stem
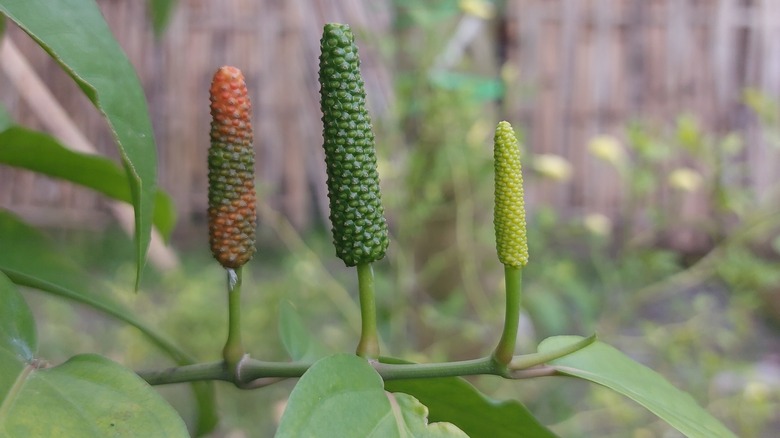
[188,373]
[483,365]
[506,345]
[234,348]
[368,346]
[249,370]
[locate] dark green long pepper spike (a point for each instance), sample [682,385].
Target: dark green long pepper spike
[356,213]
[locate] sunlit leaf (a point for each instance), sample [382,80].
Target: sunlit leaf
[28,259]
[87,396]
[342,396]
[455,400]
[603,364]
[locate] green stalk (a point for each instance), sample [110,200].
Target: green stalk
[188,373]
[481,366]
[506,345]
[251,370]
[234,348]
[368,346]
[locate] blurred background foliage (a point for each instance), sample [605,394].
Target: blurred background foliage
[676,262]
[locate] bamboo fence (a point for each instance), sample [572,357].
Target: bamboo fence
[582,68]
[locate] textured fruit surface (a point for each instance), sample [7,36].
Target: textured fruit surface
[232,216]
[356,213]
[509,214]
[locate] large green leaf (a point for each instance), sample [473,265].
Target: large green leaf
[455,400]
[450,399]
[39,152]
[28,260]
[342,396]
[75,34]
[87,396]
[603,364]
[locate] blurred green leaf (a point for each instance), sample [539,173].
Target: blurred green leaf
[483,88]
[38,152]
[160,12]
[547,310]
[455,400]
[295,337]
[603,364]
[28,260]
[75,34]
[732,144]
[415,13]
[689,133]
[646,144]
[343,396]
[6,120]
[763,105]
[644,182]
[87,396]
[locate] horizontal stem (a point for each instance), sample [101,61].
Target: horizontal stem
[188,373]
[484,365]
[249,370]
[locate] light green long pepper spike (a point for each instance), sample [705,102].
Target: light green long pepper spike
[509,213]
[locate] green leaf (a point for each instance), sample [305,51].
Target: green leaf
[415,419]
[160,12]
[483,88]
[75,34]
[87,396]
[603,364]
[38,152]
[18,342]
[28,260]
[295,337]
[342,395]
[455,400]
